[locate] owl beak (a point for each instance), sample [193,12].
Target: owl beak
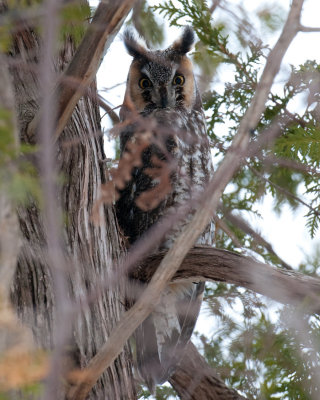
[163,97]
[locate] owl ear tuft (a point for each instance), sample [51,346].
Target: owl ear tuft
[184,44]
[134,45]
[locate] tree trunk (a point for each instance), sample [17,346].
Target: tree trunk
[90,250]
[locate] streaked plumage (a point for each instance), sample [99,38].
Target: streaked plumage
[161,88]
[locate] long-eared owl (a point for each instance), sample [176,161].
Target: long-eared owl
[162,92]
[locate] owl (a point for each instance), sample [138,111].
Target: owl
[162,109]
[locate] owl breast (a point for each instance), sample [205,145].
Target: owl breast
[180,140]
[193,164]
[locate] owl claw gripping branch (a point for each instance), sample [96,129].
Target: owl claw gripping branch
[173,168]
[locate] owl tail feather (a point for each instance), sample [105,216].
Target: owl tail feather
[161,338]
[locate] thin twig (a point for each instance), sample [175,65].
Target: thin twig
[303,28]
[108,89]
[285,191]
[109,110]
[240,223]
[285,162]
[223,226]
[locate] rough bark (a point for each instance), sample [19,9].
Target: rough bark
[12,335]
[195,380]
[209,264]
[90,250]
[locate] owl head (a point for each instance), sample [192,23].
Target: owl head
[161,79]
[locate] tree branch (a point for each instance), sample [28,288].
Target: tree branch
[286,192]
[223,226]
[210,264]
[109,110]
[240,223]
[214,5]
[303,28]
[195,380]
[287,163]
[81,71]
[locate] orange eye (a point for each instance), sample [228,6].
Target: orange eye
[145,83]
[178,80]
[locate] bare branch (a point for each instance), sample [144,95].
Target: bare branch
[82,69]
[286,192]
[239,222]
[308,29]
[209,264]
[290,29]
[195,380]
[285,162]
[223,226]
[214,5]
[110,111]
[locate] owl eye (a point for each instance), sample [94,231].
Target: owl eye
[145,83]
[178,80]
